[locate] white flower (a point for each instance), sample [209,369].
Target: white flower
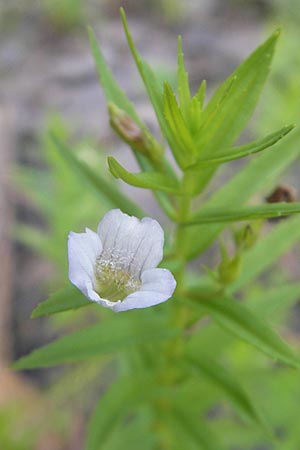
[116,267]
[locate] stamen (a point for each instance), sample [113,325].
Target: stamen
[113,280]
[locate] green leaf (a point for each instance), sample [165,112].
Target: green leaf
[116,95]
[133,434]
[239,320]
[256,212]
[200,95]
[183,86]
[63,300]
[185,151]
[223,121]
[195,429]
[122,397]
[264,169]
[152,85]
[116,334]
[275,300]
[245,150]
[146,180]
[230,108]
[111,88]
[267,251]
[223,379]
[100,186]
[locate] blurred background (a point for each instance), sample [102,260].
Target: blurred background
[48,79]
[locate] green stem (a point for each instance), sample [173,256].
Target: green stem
[180,315]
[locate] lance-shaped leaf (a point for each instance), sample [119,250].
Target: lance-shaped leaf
[223,379]
[195,116]
[152,86]
[274,301]
[264,169]
[268,304]
[121,399]
[267,251]
[239,320]
[185,151]
[116,95]
[112,335]
[200,94]
[195,429]
[183,86]
[230,108]
[132,435]
[195,110]
[259,212]
[223,121]
[100,186]
[245,150]
[63,300]
[112,90]
[146,180]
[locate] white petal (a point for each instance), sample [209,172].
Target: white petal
[135,244]
[158,286]
[92,295]
[83,249]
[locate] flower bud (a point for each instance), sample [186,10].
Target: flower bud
[229,268]
[247,236]
[138,138]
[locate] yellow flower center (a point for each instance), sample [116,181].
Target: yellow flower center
[112,281]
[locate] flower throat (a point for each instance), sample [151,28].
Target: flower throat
[113,280]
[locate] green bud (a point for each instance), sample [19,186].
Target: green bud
[229,268]
[246,237]
[138,138]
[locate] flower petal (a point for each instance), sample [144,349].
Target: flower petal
[83,249]
[134,244]
[158,286]
[92,295]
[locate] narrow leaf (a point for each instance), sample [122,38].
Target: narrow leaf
[111,88]
[62,300]
[152,85]
[195,429]
[259,212]
[275,300]
[264,169]
[112,335]
[239,320]
[267,251]
[146,180]
[220,130]
[223,379]
[230,108]
[185,150]
[100,186]
[121,399]
[116,95]
[245,150]
[183,83]
[200,95]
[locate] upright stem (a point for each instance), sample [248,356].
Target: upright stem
[179,317]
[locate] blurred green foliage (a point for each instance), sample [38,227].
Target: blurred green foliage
[56,194]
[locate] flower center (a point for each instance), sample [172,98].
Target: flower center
[113,280]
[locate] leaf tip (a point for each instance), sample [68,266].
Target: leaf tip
[35,313]
[179,41]
[123,16]
[112,165]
